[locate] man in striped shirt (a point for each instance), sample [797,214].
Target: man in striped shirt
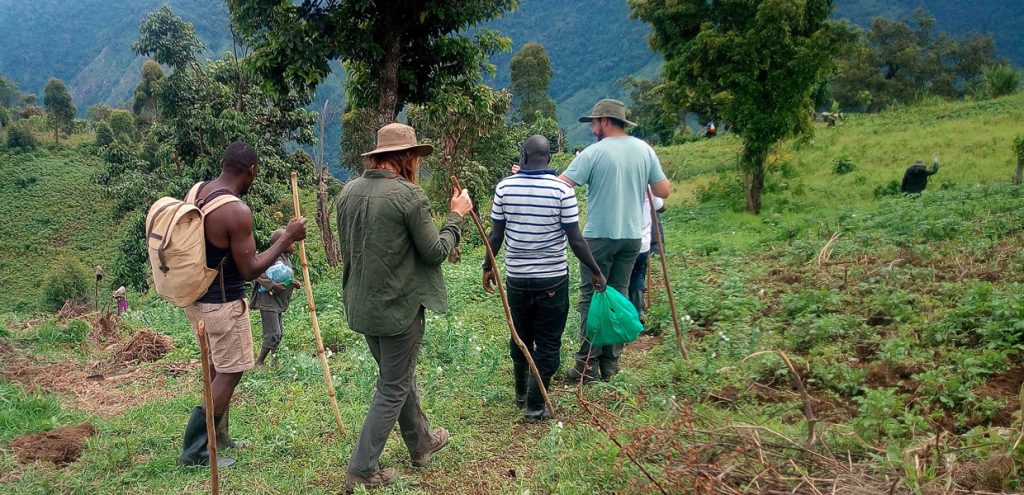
[534,214]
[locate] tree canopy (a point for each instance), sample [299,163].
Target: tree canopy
[531,76]
[756,62]
[60,110]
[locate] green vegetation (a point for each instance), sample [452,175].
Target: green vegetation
[67,281]
[531,77]
[907,322]
[60,111]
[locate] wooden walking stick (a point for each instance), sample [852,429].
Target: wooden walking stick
[508,310]
[656,231]
[211,425]
[312,313]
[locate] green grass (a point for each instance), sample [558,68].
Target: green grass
[51,208]
[908,327]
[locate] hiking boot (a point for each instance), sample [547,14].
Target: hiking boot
[194,449]
[581,370]
[536,409]
[440,438]
[609,369]
[521,371]
[224,440]
[380,478]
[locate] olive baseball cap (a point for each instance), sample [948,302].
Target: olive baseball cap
[608,108]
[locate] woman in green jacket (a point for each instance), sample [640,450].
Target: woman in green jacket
[393,255]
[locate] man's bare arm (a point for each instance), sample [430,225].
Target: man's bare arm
[567,180]
[238,219]
[662,188]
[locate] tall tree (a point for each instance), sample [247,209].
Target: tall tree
[656,116]
[60,110]
[757,61]
[394,52]
[531,76]
[145,98]
[9,93]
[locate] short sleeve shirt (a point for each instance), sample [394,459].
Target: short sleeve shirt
[616,171]
[535,205]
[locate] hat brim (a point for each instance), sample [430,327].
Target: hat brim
[589,118]
[421,149]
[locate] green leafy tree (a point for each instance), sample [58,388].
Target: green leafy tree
[169,40]
[19,135]
[98,112]
[457,122]
[901,61]
[359,132]
[395,53]
[531,76]
[656,116]
[104,134]
[1000,80]
[5,117]
[9,93]
[145,99]
[122,125]
[60,110]
[757,61]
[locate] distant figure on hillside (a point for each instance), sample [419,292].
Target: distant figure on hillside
[122,301]
[915,179]
[712,130]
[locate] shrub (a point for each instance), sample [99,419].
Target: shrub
[67,280]
[1000,80]
[104,135]
[5,117]
[19,135]
[842,166]
[123,125]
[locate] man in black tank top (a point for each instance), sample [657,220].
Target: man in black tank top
[230,249]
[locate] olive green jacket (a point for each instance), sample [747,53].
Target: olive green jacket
[392,253]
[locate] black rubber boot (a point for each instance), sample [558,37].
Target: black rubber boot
[609,368]
[587,372]
[536,409]
[224,440]
[522,375]
[194,449]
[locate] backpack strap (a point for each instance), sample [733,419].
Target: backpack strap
[167,238]
[218,202]
[194,192]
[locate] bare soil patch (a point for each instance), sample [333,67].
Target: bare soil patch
[60,446]
[1004,386]
[144,347]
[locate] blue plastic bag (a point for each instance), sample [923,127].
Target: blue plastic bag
[612,319]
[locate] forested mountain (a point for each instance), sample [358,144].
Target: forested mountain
[592,44]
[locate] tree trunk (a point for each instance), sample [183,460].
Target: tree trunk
[56,136]
[1020,172]
[388,82]
[323,207]
[753,177]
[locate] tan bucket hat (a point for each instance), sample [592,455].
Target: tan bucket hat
[608,108]
[398,137]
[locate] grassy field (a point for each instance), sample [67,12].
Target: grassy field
[904,334]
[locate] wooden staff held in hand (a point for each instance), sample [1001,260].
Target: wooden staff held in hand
[321,353]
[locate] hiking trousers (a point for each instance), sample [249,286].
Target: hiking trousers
[396,399]
[615,258]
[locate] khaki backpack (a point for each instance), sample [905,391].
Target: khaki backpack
[177,247]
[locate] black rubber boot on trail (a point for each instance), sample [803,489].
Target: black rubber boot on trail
[522,375]
[536,409]
[194,449]
[224,440]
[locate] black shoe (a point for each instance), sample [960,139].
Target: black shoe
[194,449]
[577,372]
[536,409]
[609,369]
[521,372]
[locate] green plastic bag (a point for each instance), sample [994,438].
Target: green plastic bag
[612,319]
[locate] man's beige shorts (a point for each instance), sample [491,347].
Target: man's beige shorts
[227,326]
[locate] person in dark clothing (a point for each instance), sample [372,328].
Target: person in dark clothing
[231,249]
[272,299]
[534,213]
[915,179]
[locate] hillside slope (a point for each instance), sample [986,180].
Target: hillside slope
[51,208]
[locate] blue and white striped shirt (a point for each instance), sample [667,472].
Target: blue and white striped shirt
[534,205]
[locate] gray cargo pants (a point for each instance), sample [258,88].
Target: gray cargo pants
[615,258]
[396,400]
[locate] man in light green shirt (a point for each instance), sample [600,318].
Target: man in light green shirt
[616,170]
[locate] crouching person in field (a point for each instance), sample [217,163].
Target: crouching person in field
[393,255]
[533,215]
[272,299]
[230,249]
